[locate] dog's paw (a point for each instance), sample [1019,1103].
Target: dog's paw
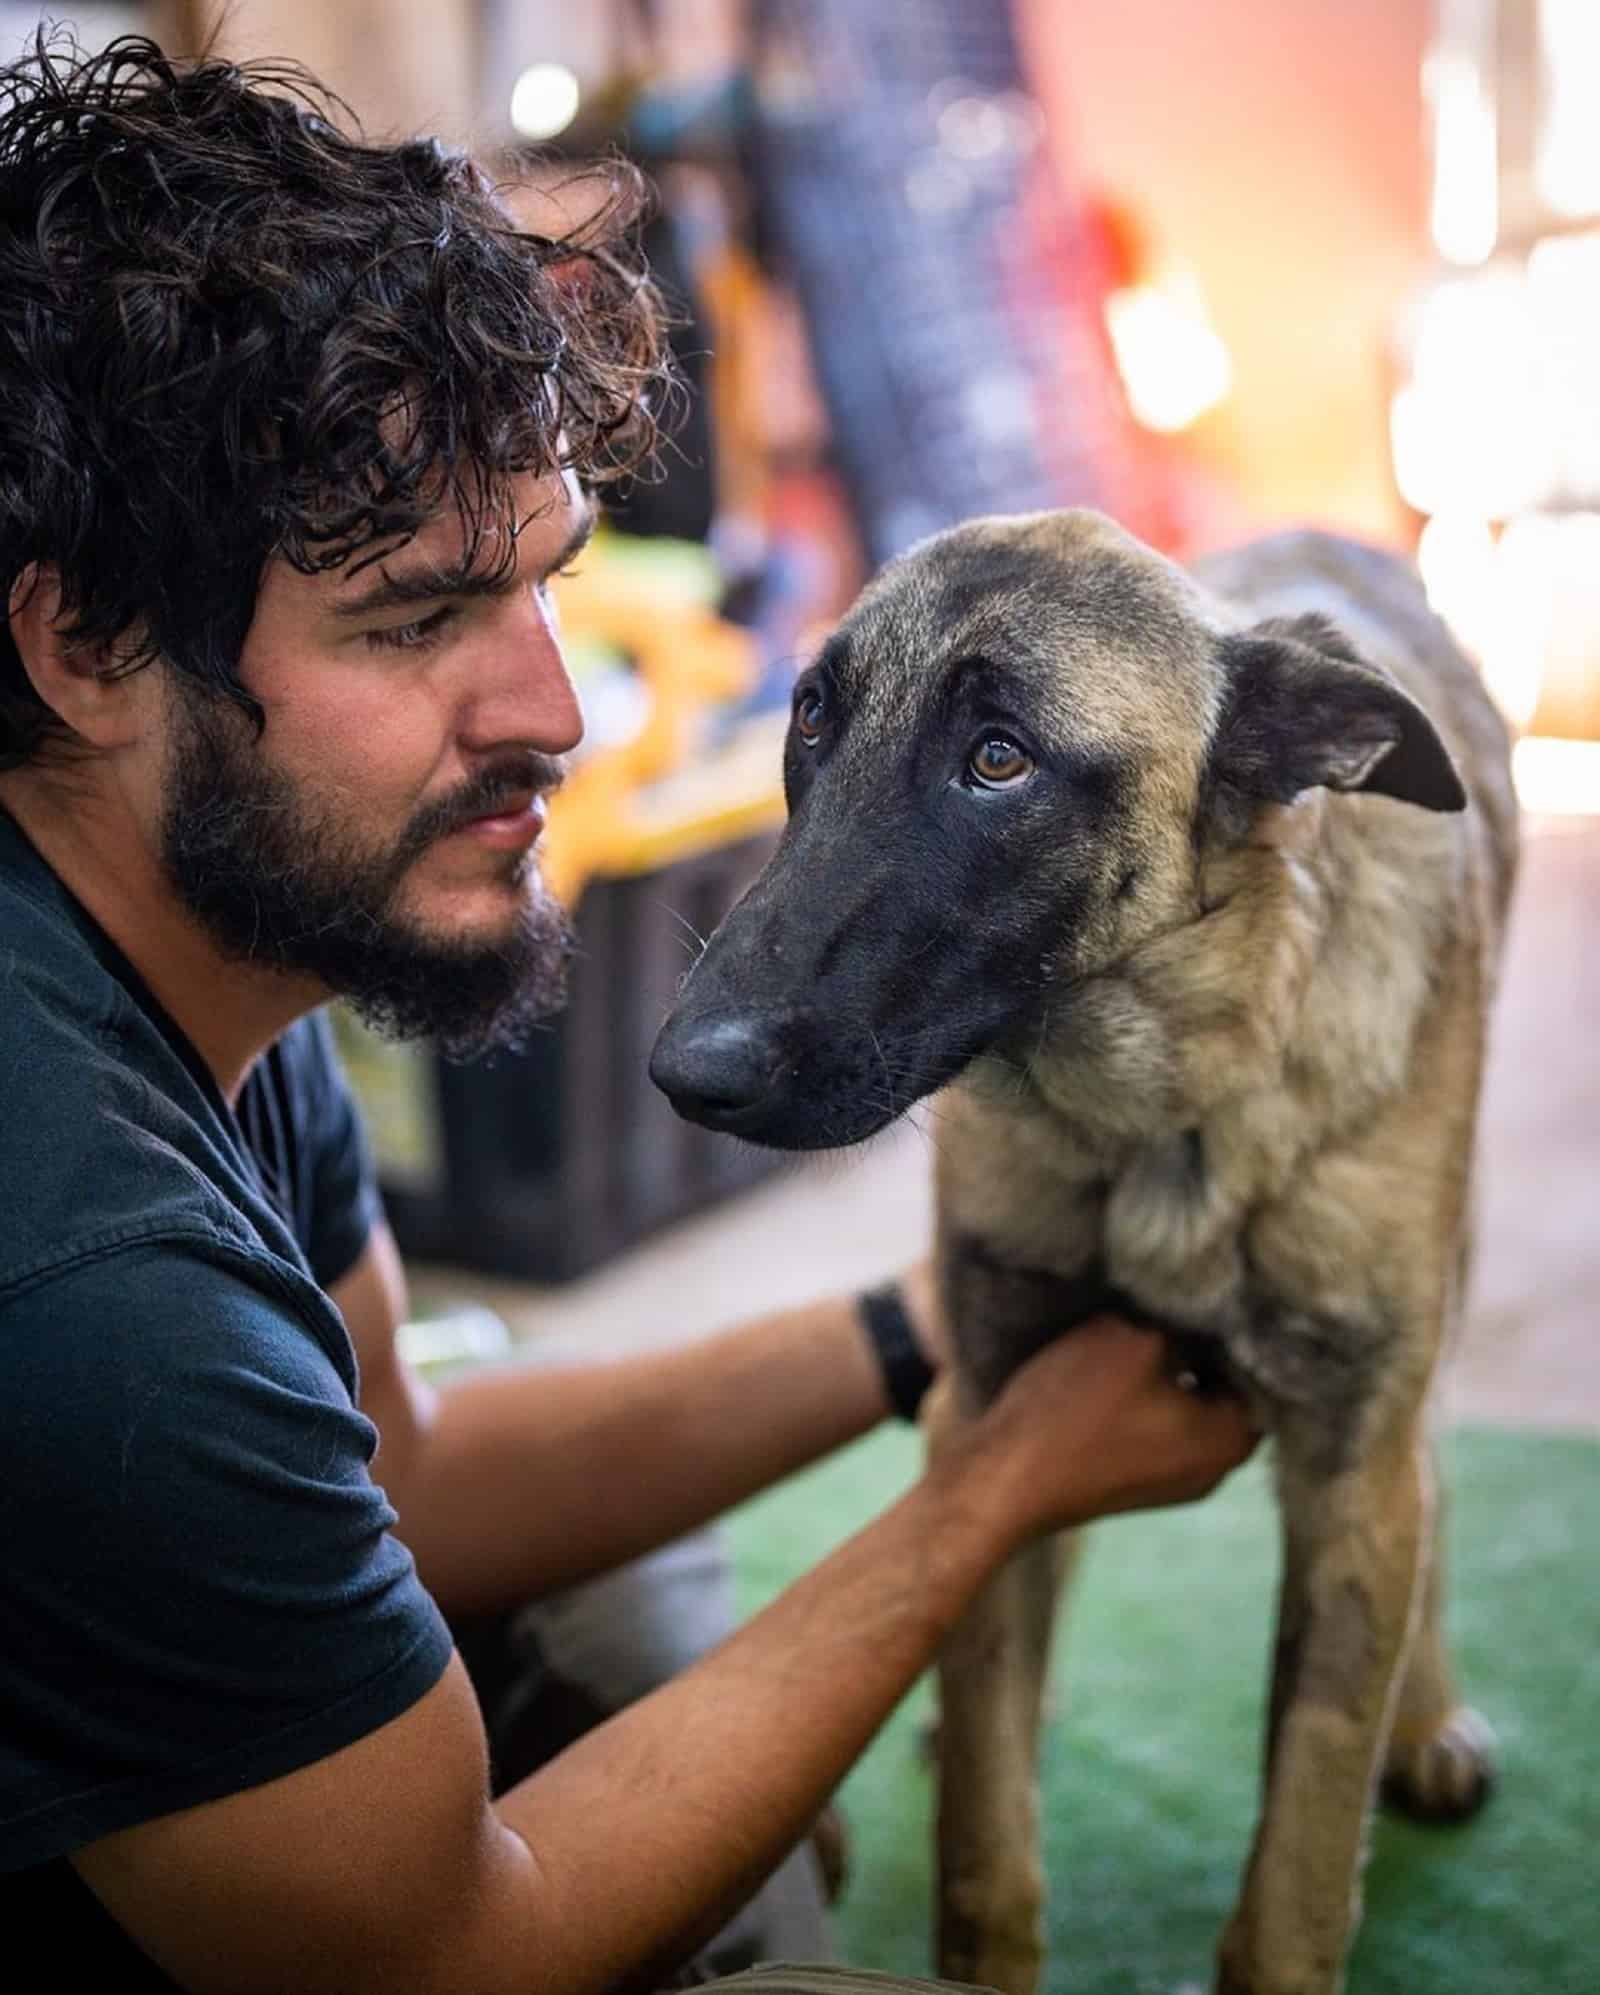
[1445,1775]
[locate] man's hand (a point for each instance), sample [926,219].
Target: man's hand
[1096,1423]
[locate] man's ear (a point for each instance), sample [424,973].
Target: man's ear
[77,681]
[1303,709]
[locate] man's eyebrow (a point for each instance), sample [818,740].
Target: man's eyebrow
[426,583]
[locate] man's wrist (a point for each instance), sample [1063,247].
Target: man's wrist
[905,1369]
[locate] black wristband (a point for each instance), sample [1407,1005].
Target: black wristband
[907,1374]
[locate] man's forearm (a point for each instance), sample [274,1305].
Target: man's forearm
[526,1479]
[704,1785]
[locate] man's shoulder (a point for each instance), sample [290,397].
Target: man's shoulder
[106,1136]
[162,1315]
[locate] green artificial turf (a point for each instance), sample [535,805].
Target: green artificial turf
[1150,1764]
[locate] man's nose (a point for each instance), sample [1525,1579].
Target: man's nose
[522,690]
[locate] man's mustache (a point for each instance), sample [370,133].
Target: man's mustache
[499,786]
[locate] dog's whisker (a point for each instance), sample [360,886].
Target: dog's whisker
[693,941]
[883,1062]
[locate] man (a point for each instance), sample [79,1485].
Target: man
[293,434]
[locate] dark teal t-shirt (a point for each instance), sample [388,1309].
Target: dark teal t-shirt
[199,1589]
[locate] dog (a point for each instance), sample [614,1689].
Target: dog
[1184,889]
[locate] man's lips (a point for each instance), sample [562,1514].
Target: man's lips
[514,825]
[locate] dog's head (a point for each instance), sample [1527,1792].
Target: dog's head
[1002,771]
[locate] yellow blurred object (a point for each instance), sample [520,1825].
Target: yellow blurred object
[734,296]
[609,819]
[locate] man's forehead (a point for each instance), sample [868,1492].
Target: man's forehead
[528,530]
[528,513]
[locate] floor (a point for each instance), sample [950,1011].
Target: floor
[1531,1349]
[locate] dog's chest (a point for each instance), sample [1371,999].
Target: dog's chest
[1170,1233]
[1171,1228]
[1177,1239]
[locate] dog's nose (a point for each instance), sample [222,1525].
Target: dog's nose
[716,1068]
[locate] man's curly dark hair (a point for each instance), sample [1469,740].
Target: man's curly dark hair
[232,329]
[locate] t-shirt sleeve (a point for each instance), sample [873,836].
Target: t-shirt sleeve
[344,1203]
[201,1590]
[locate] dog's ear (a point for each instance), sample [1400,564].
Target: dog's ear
[1302,708]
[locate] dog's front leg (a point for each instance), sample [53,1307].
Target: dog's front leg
[991,1690]
[1355,1537]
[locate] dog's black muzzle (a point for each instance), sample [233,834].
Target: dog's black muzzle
[834,996]
[794,1080]
[727,1069]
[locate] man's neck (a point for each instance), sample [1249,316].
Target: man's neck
[229,1011]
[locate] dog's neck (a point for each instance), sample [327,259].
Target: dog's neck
[1186,1086]
[1221,1011]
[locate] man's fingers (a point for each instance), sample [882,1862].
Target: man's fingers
[1114,1340]
[1229,1432]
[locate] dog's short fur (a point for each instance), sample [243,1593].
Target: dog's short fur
[1203,973]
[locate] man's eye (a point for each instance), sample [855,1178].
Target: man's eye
[412,636]
[997,763]
[809,711]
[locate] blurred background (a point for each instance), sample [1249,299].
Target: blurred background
[1214,266]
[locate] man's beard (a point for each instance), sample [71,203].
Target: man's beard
[277,883]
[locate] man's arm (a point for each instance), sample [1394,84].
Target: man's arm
[521,1479]
[385,1866]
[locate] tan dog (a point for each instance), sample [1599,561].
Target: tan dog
[1187,889]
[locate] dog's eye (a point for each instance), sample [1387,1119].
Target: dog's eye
[808,712]
[997,763]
